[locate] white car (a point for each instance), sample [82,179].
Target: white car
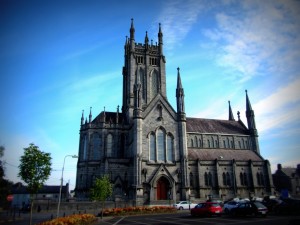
[184,205]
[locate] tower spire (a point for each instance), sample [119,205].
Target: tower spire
[179,94]
[146,39]
[248,104]
[251,124]
[132,30]
[90,116]
[160,39]
[82,117]
[231,117]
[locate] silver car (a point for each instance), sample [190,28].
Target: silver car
[184,205]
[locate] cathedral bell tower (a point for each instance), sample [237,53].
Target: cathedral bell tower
[147,62]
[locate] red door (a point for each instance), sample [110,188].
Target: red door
[162,188]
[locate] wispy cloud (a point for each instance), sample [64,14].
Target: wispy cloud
[280,108]
[177,19]
[257,38]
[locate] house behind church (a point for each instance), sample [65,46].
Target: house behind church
[153,152]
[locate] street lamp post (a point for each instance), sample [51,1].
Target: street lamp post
[61,182]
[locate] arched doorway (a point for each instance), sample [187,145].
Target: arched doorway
[162,188]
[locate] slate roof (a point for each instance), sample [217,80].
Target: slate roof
[290,172]
[109,116]
[227,154]
[215,126]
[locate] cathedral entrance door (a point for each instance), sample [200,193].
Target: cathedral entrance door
[162,188]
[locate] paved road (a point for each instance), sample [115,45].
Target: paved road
[185,218]
[180,218]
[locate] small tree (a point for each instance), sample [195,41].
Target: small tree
[101,191]
[35,169]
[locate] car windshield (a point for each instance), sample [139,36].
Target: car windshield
[215,204]
[259,205]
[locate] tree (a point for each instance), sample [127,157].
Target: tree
[101,191]
[35,169]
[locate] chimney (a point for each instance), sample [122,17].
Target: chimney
[279,167]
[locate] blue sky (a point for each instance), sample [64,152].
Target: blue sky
[61,57]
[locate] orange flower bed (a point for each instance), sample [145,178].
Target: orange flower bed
[138,210]
[78,219]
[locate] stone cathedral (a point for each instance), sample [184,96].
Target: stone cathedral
[153,152]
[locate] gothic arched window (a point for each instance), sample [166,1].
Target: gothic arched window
[143,83]
[155,83]
[191,180]
[84,147]
[96,146]
[170,148]
[228,182]
[196,142]
[161,145]
[152,147]
[224,178]
[242,179]
[262,179]
[192,143]
[245,179]
[109,145]
[208,179]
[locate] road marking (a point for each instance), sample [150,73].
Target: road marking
[119,220]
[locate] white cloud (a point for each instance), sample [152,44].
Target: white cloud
[177,19]
[257,38]
[280,108]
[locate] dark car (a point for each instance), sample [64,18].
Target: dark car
[288,207]
[250,208]
[230,205]
[207,209]
[271,204]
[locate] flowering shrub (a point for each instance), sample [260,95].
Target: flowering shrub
[138,210]
[78,219]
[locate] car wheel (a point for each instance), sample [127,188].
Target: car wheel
[226,211]
[180,208]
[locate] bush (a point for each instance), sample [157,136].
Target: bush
[77,219]
[138,210]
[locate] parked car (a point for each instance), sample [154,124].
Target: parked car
[288,206]
[271,204]
[184,205]
[250,208]
[230,205]
[207,209]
